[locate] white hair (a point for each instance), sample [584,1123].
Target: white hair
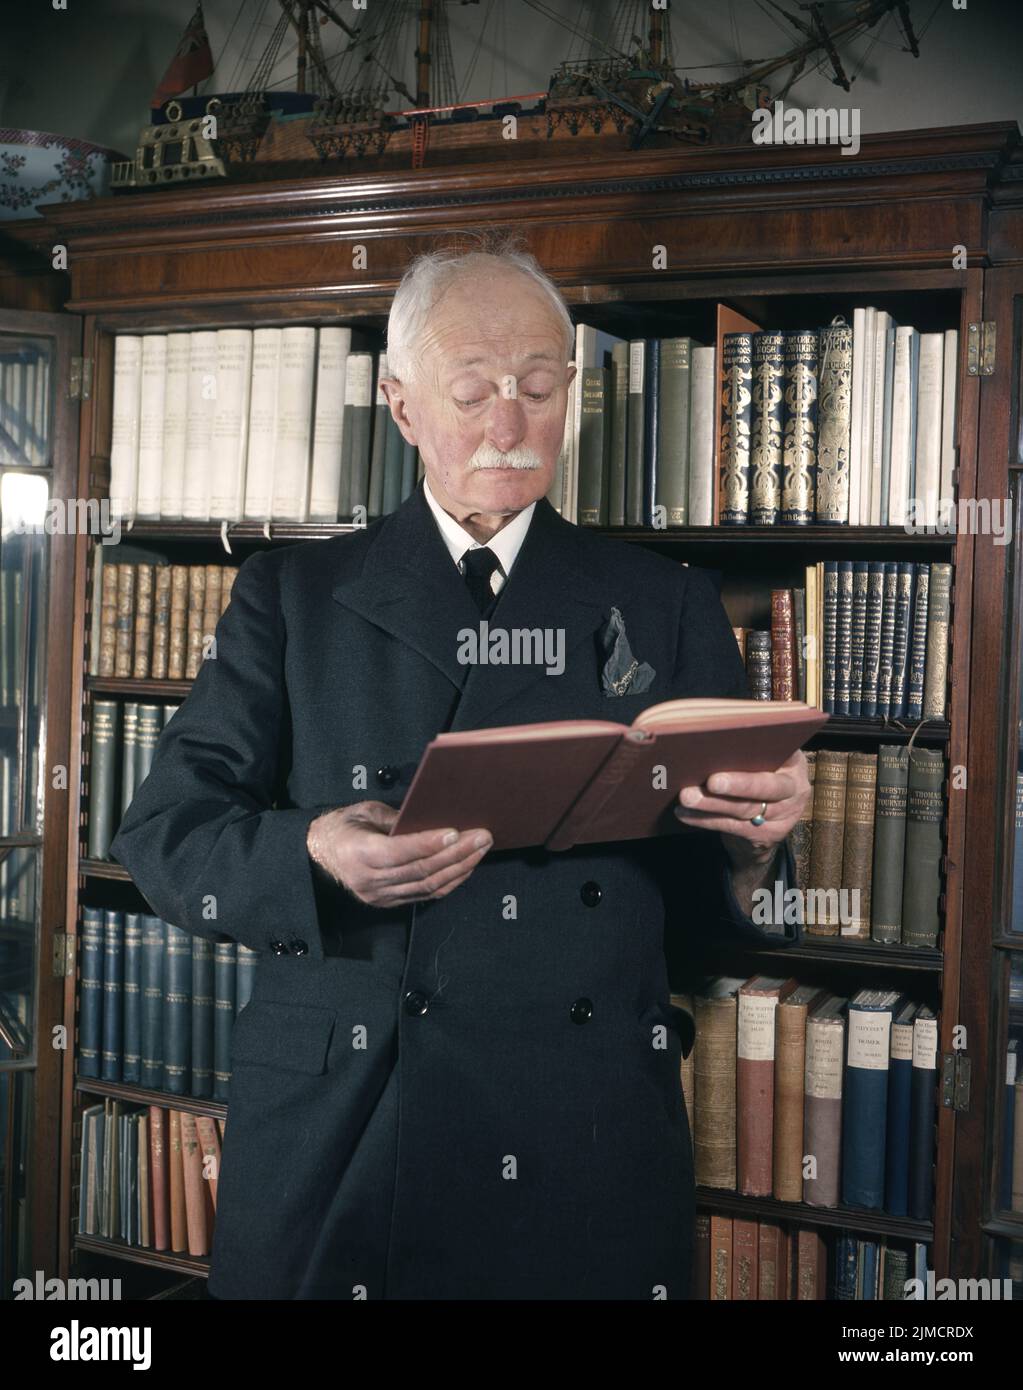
[431,273]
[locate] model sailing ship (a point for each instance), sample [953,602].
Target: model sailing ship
[345,113]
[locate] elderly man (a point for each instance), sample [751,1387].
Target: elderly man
[458,1074]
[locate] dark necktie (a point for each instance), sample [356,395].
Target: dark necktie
[479,565]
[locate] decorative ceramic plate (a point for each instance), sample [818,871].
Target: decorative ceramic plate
[37,167]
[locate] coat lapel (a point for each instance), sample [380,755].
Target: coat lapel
[410,588]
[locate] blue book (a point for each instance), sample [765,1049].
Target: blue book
[651,427]
[865,1095]
[900,639]
[858,638]
[131,1070]
[872,639]
[830,633]
[843,635]
[90,993]
[867,1285]
[846,1265]
[153,950]
[113,994]
[202,1017]
[177,1011]
[923,1100]
[900,1075]
[224,969]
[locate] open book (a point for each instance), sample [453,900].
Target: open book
[584,781]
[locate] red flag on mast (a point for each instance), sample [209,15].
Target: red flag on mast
[192,61]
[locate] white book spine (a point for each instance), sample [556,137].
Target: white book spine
[293,436]
[175,422]
[902,404]
[860,357]
[928,427]
[202,404]
[328,426]
[872,515]
[152,410]
[231,423]
[259,469]
[701,437]
[949,386]
[124,431]
[856,514]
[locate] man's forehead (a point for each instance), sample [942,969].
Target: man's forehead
[475,358]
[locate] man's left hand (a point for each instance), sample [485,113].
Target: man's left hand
[728,801]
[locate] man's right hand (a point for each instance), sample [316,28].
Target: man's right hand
[353,846]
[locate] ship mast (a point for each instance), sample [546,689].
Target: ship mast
[423,53]
[656,37]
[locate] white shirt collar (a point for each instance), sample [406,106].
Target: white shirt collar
[505,544]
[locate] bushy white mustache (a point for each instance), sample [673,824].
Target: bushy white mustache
[487,456]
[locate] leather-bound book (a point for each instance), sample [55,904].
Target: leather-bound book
[900,647]
[799,447]
[635,426]
[858,844]
[918,643]
[104,798]
[921,885]
[754,1081]
[721,1258]
[125,627]
[196,606]
[865,1100]
[145,1226]
[923,1115]
[113,994]
[889,842]
[739,633]
[758,664]
[228,574]
[833,424]
[872,639]
[701,1258]
[161,622]
[209,1145]
[153,947]
[160,1176]
[799,641]
[745,1274]
[783,641]
[131,1059]
[594,425]
[900,1077]
[178,639]
[802,831]
[716,1011]
[843,636]
[858,637]
[886,656]
[211,608]
[847,1255]
[789,1081]
[939,612]
[830,631]
[736,420]
[822,1101]
[894,1274]
[195,1188]
[767,424]
[143,621]
[108,619]
[202,1018]
[175,1164]
[177,1011]
[829,791]
[224,988]
[148,727]
[129,749]
[672,491]
[90,992]
[772,1262]
[812,1266]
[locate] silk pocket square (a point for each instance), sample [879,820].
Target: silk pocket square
[623,674]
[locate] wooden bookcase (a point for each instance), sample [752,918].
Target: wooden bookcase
[787,236]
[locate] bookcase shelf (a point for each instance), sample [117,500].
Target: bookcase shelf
[863,1219]
[139,1095]
[787,237]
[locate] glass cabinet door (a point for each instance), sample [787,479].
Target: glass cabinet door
[31,418]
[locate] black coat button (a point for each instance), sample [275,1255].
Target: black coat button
[387,776]
[591,894]
[300,948]
[416,1003]
[582,1010]
[278,948]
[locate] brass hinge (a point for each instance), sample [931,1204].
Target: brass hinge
[980,349]
[63,955]
[79,387]
[955,1081]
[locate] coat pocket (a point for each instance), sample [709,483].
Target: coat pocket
[295,1037]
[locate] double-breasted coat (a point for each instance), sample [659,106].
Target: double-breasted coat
[470,1097]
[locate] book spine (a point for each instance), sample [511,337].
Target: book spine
[124,432]
[224,983]
[592,445]
[858,637]
[829,795]
[865,1106]
[822,1110]
[922,878]
[177,1003]
[799,641]
[782,642]
[202,404]
[202,1017]
[758,664]
[90,993]
[834,424]
[872,639]
[113,994]
[131,1060]
[153,948]
[900,646]
[843,636]
[789,1066]
[923,1087]
[890,603]
[103,800]
[175,421]
[702,483]
[378,418]
[802,831]
[231,423]
[259,463]
[830,632]
[736,418]
[918,644]
[357,431]
[768,389]
[858,844]
[619,434]
[129,742]
[672,491]
[651,428]
[635,432]
[939,612]
[161,622]
[152,405]
[799,444]
[897,1131]
[715,1053]
[125,620]
[889,843]
[332,349]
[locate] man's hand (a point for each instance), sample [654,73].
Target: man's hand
[352,845]
[728,801]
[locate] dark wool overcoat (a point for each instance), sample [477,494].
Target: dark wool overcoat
[477,1097]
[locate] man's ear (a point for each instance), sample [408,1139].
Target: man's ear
[571,373]
[394,390]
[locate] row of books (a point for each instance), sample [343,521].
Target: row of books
[265,424]
[158,620]
[849,424]
[123,735]
[24,406]
[868,845]
[863,639]
[148,1176]
[156,1005]
[738,1259]
[806,1096]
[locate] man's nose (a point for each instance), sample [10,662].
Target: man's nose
[506,426]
